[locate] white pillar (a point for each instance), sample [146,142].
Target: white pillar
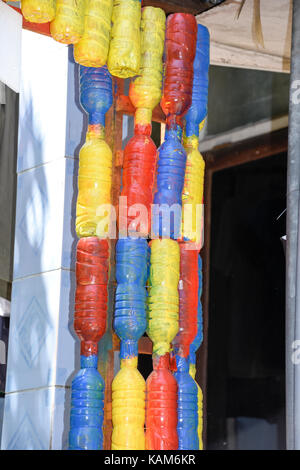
[43,352]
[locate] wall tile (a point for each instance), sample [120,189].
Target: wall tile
[27,420]
[43,101]
[61,419]
[41,347]
[68,344]
[39,219]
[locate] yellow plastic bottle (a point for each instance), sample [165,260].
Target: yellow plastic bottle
[68,24]
[94,183]
[38,11]
[125,45]
[200,406]
[192,194]
[163,301]
[145,90]
[92,49]
[128,407]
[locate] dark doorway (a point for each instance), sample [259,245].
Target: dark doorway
[246,334]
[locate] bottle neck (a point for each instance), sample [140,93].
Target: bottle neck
[128,349]
[87,362]
[95,131]
[171,123]
[191,142]
[161,362]
[130,362]
[142,129]
[182,364]
[142,121]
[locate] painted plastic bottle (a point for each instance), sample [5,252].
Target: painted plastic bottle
[128,407]
[130,300]
[161,407]
[188,300]
[180,49]
[95,157]
[187,426]
[198,109]
[92,49]
[125,44]
[68,24]
[92,271]
[163,302]
[145,90]
[87,400]
[192,196]
[140,153]
[38,11]
[138,180]
[166,212]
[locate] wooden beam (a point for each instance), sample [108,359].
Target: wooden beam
[40,28]
[195,7]
[247,151]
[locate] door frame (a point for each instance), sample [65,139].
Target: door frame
[217,159]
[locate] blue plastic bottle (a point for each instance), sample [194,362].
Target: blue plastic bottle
[87,407]
[198,109]
[187,427]
[170,181]
[130,302]
[95,92]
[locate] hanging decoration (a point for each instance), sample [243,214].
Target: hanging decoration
[95,157]
[119,38]
[140,152]
[128,388]
[180,49]
[163,307]
[192,196]
[92,266]
[187,388]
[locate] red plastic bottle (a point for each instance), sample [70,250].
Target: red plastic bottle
[188,299]
[138,179]
[91,292]
[161,407]
[180,48]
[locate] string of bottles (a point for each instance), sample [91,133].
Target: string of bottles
[119,38]
[192,195]
[132,254]
[192,198]
[92,265]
